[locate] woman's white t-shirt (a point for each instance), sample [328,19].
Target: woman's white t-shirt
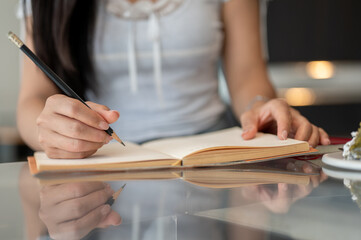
[160,71]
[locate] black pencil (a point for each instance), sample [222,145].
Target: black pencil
[114,197]
[54,77]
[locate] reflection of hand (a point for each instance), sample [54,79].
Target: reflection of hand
[72,210]
[277,117]
[78,131]
[279,197]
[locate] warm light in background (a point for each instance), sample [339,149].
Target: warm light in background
[300,96]
[320,69]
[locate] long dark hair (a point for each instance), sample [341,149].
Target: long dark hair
[63,38]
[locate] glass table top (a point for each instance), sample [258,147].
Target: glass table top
[285,199]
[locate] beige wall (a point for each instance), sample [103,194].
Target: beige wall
[9,63]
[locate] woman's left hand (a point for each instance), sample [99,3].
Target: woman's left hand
[279,197]
[277,117]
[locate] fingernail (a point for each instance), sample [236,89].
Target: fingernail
[105,209]
[284,135]
[103,125]
[116,112]
[247,129]
[118,222]
[328,141]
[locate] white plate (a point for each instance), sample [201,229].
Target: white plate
[336,160]
[342,173]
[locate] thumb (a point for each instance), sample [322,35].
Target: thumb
[113,219]
[249,125]
[109,115]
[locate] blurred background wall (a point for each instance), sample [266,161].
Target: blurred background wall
[313,49]
[9,63]
[10,143]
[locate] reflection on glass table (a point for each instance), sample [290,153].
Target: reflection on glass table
[351,179]
[204,203]
[253,202]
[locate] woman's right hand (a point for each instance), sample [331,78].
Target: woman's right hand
[72,210]
[69,129]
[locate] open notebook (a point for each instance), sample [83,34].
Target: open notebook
[217,148]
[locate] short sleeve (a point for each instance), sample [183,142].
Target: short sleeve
[20,9]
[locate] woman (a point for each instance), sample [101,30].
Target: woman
[154,63]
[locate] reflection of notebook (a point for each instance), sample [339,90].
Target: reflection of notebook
[220,147]
[224,177]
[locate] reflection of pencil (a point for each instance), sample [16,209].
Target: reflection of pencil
[54,77]
[112,199]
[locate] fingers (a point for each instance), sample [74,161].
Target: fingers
[100,217]
[55,153]
[249,125]
[69,129]
[275,110]
[70,211]
[303,128]
[277,117]
[79,228]
[109,115]
[79,207]
[323,176]
[290,121]
[113,219]
[278,203]
[315,180]
[49,140]
[306,131]
[324,138]
[73,108]
[283,191]
[75,129]
[315,137]
[55,194]
[264,194]
[280,112]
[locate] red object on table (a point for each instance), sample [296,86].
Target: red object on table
[339,140]
[334,141]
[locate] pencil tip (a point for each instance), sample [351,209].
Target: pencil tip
[115,136]
[116,194]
